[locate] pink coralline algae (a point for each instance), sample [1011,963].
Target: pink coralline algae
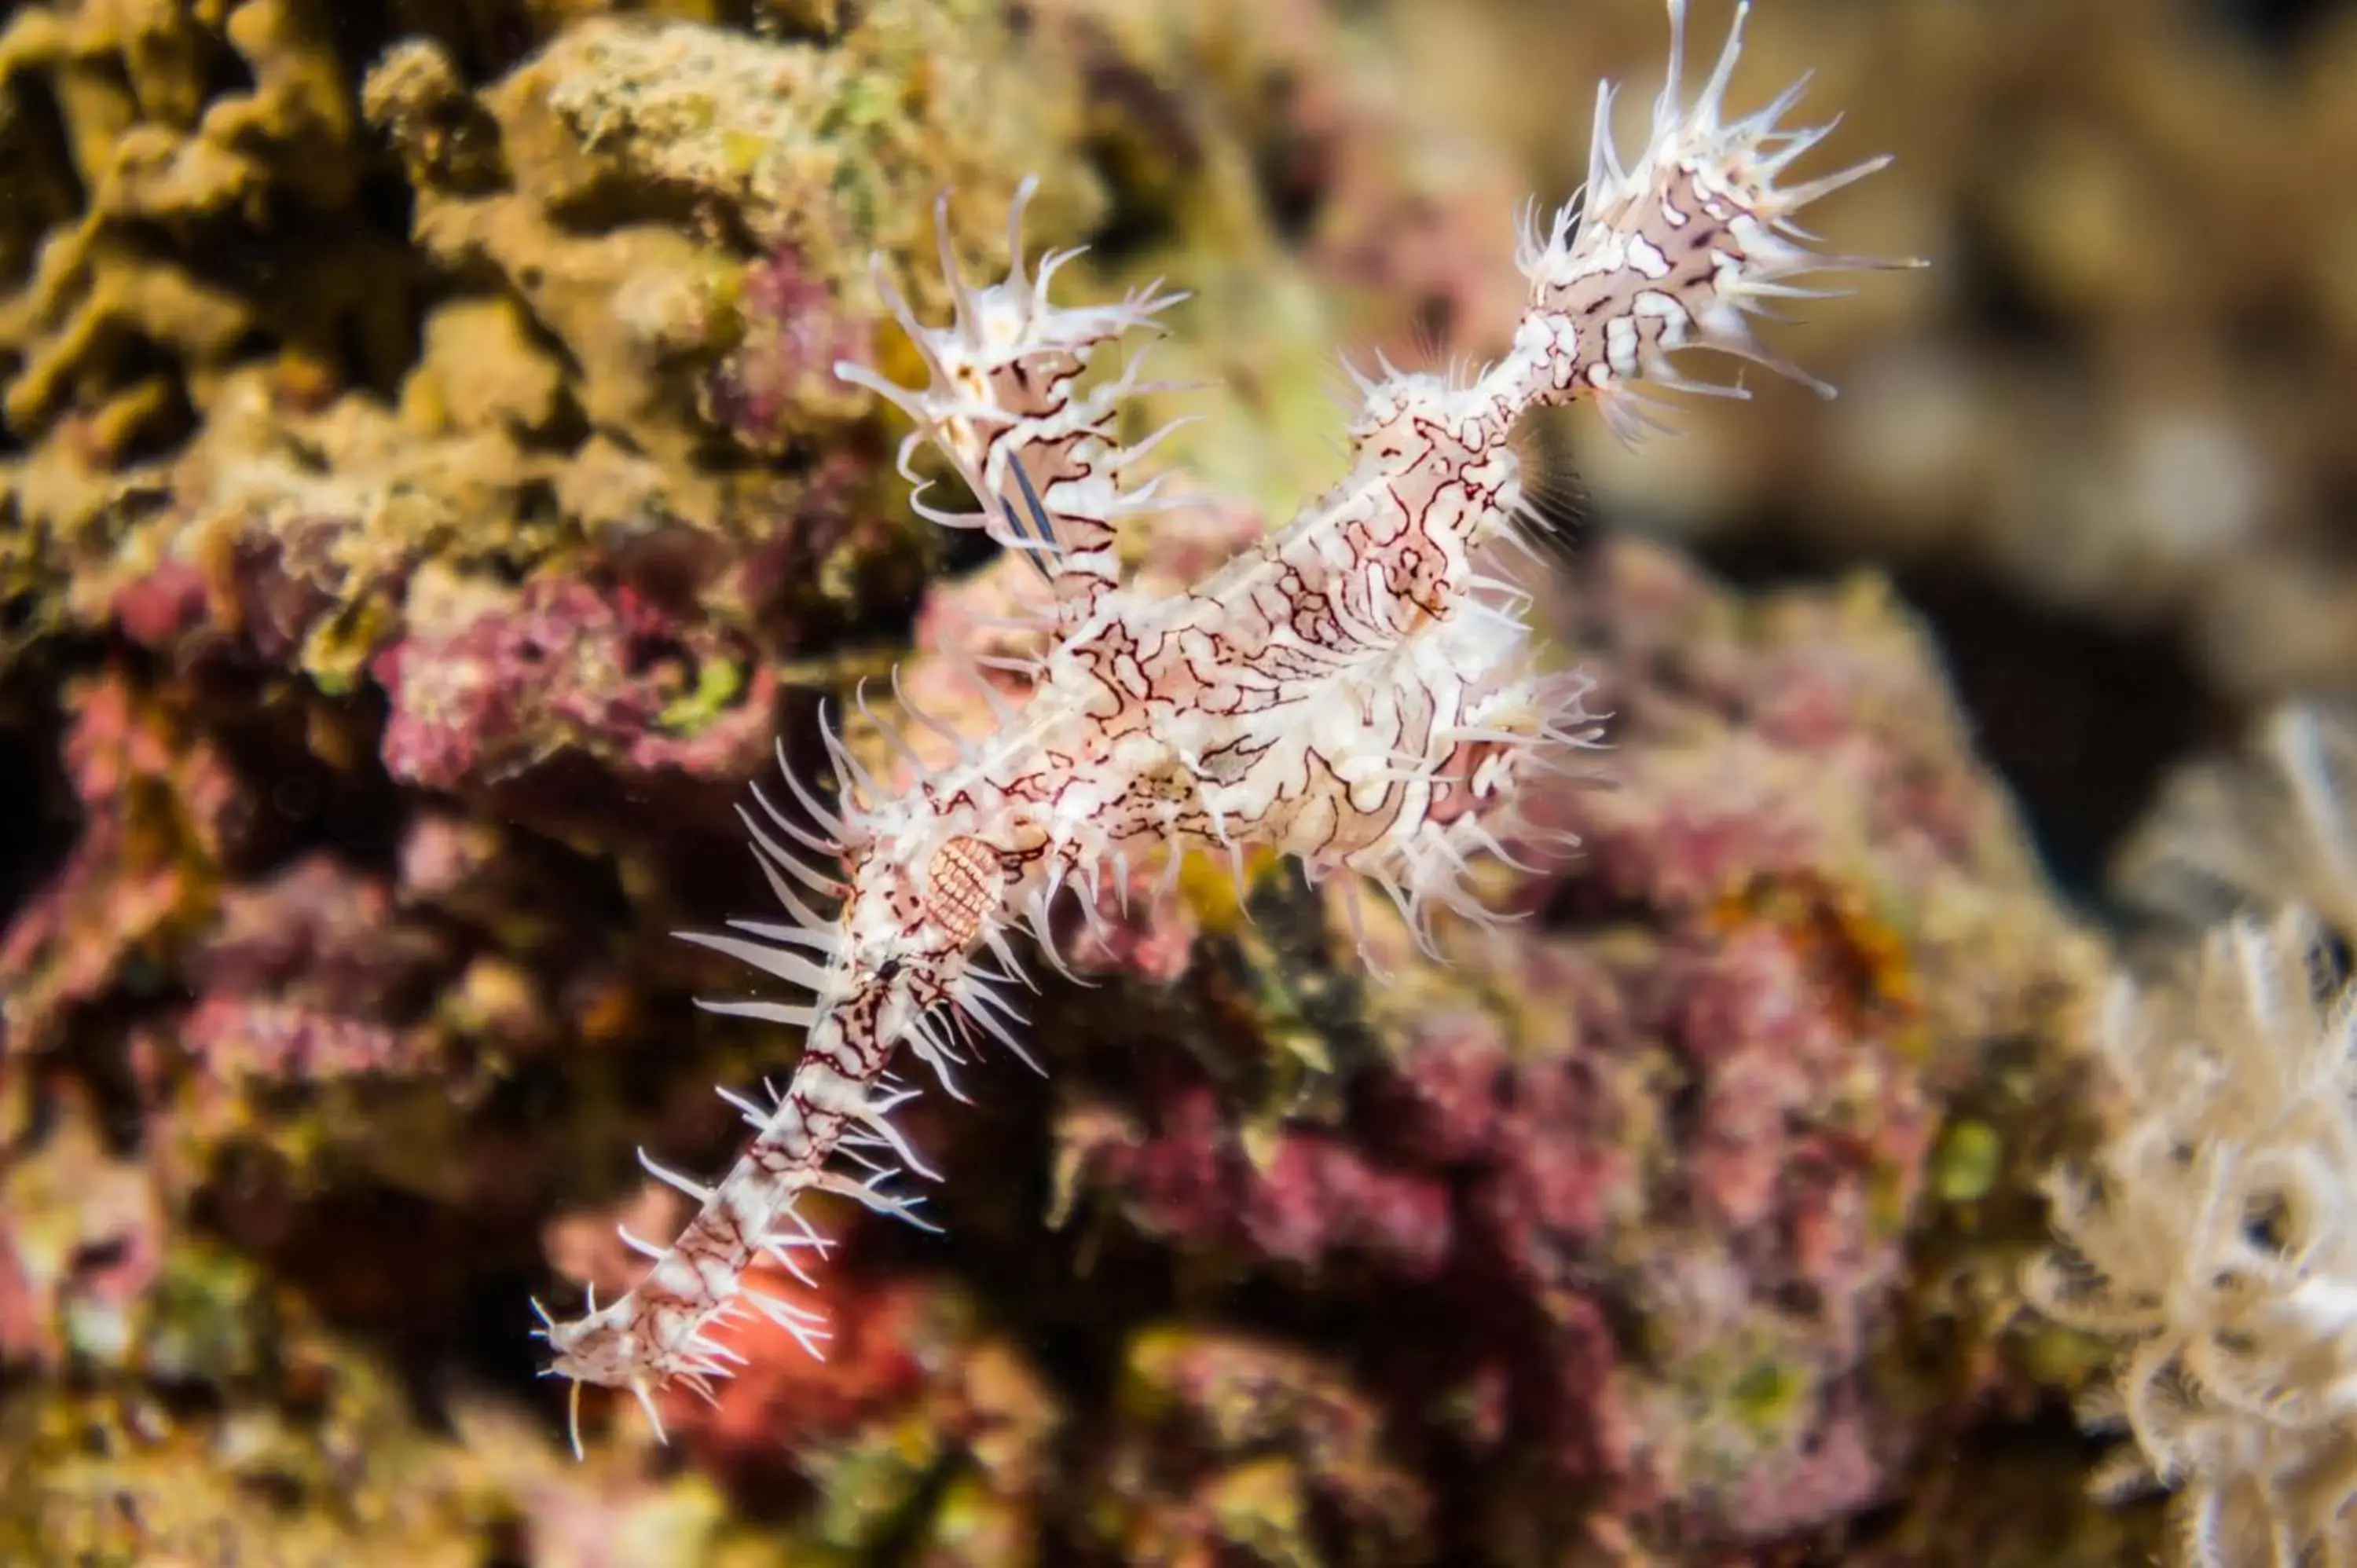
[1308,1199]
[787,1400]
[784,1403]
[486,685]
[794,330]
[244,1039]
[161,810]
[310,976]
[159,608]
[320,927]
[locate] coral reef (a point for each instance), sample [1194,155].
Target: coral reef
[425,502]
[1630,1207]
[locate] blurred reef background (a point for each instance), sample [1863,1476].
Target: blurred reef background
[425,503]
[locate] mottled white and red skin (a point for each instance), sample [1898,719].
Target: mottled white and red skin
[1358,692]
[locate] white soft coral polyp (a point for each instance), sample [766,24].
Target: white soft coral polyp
[2215,1238]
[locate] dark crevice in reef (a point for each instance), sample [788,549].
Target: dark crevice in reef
[2079,720]
[485,41]
[2004,303]
[35,798]
[442,1328]
[2016,1461]
[2282,28]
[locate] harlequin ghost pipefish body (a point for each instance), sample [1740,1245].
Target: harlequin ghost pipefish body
[1360,690]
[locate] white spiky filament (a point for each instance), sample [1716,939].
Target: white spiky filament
[1361,690]
[1004,405]
[871,987]
[1675,250]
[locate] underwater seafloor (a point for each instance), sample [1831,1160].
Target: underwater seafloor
[425,503]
